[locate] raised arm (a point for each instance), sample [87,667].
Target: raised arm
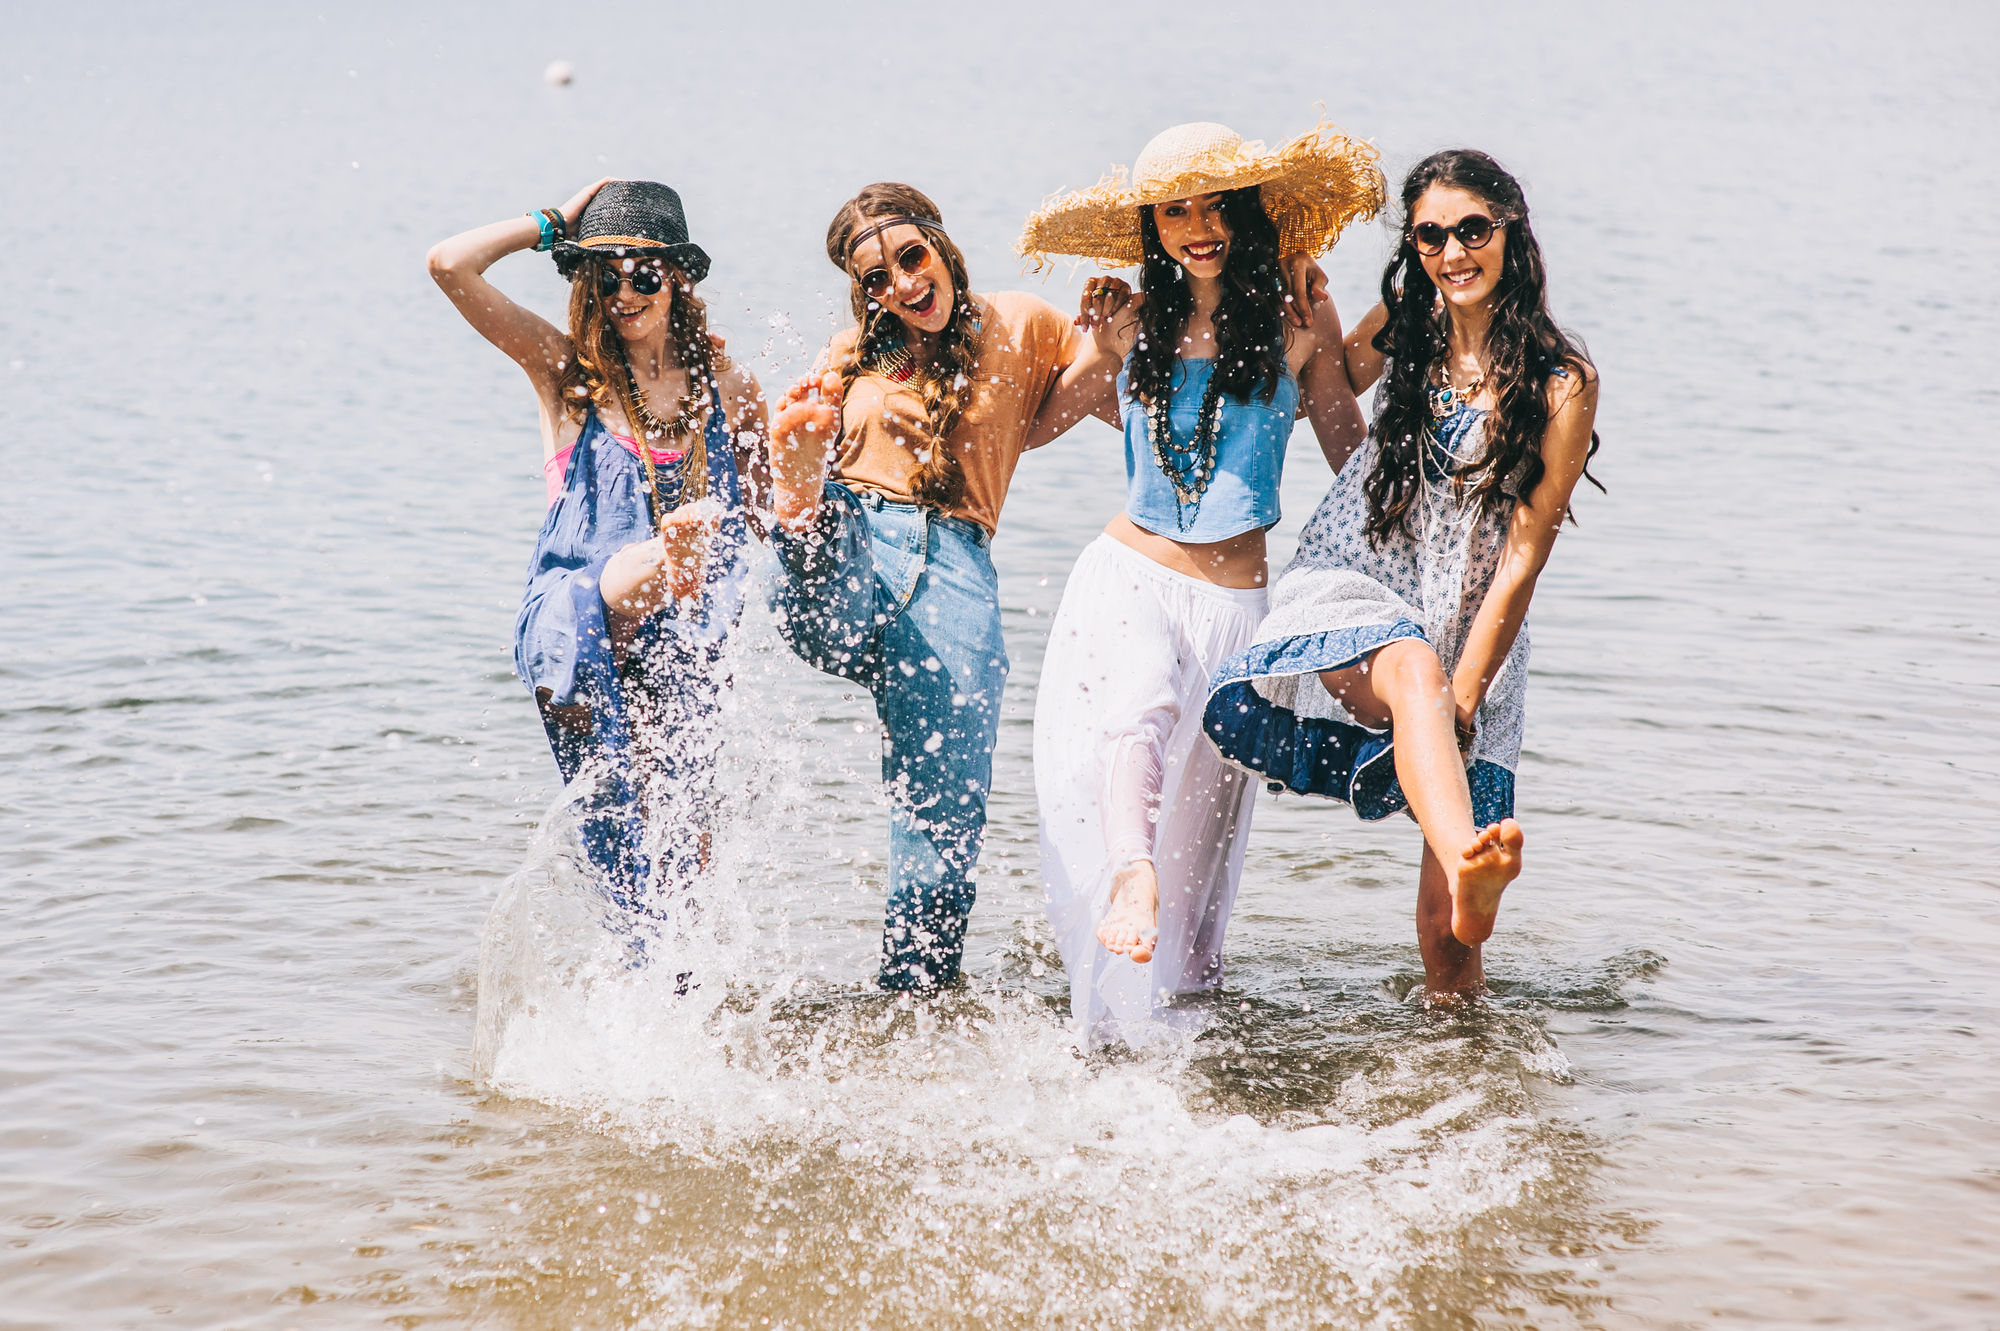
[1364,363]
[459,265]
[1088,385]
[1531,535]
[1325,396]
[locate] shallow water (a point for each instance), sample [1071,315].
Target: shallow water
[267,771]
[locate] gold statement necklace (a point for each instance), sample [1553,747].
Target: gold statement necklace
[686,420]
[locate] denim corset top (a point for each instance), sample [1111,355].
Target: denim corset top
[1250,445]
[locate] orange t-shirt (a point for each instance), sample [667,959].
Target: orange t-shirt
[1023,345]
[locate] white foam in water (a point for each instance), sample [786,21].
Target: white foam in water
[973,1115]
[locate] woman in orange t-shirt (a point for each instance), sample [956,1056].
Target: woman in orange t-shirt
[890,469]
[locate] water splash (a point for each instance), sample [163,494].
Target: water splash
[787,1145]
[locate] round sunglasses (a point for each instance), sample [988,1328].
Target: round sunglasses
[875,283]
[1473,231]
[646,279]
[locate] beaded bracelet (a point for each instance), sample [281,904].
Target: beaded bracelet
[548,233]
[557,221]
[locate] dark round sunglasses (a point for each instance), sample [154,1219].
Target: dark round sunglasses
[1473,231]
[646,279]
[875,283]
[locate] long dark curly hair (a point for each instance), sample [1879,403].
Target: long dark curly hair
[947,379]
[1524,347]
[1249,319]
[595,373]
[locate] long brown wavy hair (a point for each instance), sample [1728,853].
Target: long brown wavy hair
[595,374]
[1524,347]
[943,383]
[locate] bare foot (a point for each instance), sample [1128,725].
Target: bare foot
[1132,925]
[685,535]
[803,434]
[1492,861]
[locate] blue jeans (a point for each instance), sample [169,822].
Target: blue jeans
[906,602]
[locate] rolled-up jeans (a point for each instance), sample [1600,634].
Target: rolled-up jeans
[905,601]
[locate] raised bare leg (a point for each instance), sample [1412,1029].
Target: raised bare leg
[1132,924]
[1403,687]
[803,436]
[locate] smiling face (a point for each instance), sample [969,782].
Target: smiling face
[1194,234]
[1466,277]
[922,298]
[635,314]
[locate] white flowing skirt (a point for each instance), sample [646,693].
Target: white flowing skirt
[1123,684]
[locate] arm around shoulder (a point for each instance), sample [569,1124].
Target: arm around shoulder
[1089,356]
[1325,396]
[1364,362]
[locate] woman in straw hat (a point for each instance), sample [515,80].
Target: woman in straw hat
[889,468]
[1143,825]
[1392,670]
[650,440]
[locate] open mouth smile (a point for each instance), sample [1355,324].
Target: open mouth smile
[922,307]
[1204,252]
[1465,277]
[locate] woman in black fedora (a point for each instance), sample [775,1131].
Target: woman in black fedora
[653,446]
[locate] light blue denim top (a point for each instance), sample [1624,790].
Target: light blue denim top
[1249,457]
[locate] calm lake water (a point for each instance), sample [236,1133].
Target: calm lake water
[267,773]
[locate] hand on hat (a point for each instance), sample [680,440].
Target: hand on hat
[573,210]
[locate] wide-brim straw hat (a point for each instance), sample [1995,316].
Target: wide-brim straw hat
[633,219]
[1311,187]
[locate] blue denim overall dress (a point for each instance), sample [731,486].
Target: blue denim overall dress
[669,679]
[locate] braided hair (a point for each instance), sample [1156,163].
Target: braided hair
[946,381]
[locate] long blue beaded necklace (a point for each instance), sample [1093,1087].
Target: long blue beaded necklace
[1188,468]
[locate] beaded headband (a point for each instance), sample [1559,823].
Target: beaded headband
[900,219]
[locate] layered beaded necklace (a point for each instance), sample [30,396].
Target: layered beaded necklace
[1188,467]
[686,421]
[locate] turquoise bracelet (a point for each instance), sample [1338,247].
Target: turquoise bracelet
[548,238]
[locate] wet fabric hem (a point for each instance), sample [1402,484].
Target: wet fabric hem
[1322,756]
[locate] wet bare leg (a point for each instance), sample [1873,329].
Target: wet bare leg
[803,435]
[1403,687]
[1132,924]
[1450,967]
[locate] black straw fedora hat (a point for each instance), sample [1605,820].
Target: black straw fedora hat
[633,219]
